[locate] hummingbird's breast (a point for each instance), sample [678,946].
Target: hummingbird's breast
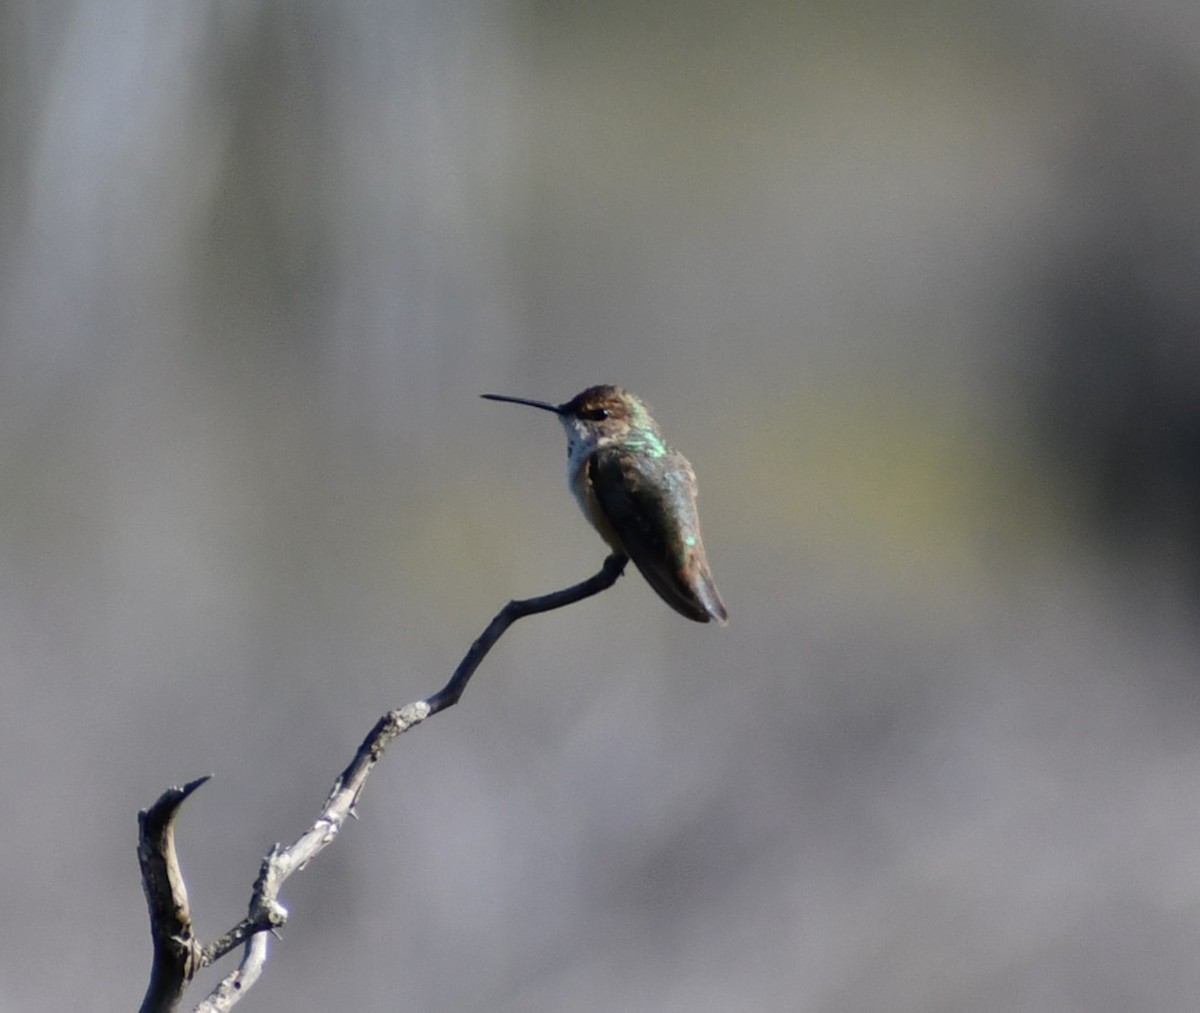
[580,481]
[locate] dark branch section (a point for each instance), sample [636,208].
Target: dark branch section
[177,954]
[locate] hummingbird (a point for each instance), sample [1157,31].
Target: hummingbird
[638,493]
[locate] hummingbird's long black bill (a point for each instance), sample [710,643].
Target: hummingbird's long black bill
[524,400]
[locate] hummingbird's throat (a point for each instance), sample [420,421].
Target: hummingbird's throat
[582,441]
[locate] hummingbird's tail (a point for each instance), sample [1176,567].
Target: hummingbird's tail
[695,597]
[706,592]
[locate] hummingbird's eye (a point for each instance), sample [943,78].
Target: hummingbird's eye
[594,414]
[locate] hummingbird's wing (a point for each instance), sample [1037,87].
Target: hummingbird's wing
[651,504]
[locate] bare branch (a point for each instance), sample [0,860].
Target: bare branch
[448,696]
[183,955]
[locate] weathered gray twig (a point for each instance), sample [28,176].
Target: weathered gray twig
[177,955]
[265,910]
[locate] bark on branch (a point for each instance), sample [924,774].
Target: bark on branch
[178,956]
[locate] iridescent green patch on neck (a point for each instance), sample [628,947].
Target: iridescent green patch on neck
[645,441]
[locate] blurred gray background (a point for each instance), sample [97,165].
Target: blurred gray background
[917,291]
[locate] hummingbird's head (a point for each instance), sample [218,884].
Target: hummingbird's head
[604,414]
[600,416]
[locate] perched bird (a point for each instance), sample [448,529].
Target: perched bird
[638,493]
